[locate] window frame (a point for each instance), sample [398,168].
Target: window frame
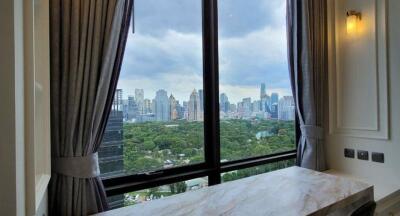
[212,167]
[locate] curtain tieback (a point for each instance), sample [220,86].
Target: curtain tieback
[79,167]
[312,131]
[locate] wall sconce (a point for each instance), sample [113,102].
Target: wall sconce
[353,17]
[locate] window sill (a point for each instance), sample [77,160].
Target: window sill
[299,191]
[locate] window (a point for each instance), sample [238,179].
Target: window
[200,97]
[256,103]
[242,173]
[157,192]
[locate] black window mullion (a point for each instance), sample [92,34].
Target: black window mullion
[212,167]
[211,91]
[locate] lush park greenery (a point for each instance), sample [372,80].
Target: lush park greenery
[155,145]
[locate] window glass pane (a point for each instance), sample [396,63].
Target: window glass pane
[156,192]
[256,103]
[238,174]
[157,118]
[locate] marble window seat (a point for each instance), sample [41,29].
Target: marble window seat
[291,191]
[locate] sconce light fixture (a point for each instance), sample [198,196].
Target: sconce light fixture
[353,17]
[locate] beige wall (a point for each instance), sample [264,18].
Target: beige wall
[11,109]
[20,191]
[386,176]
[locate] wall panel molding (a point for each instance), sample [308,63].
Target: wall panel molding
[358,87]
[37,103]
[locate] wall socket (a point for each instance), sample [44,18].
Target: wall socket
[378,157]
[349,153]
[362,155]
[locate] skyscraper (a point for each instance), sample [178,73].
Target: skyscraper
[147,106]
[111,160]
[132,110]
[201,96]
[139,95]
[162,107]
[185,108]
[181,110]
[263,91]
[256,106]
[274,98]
[173,108]
[224,103]
[194,113]
[246,103]
[266,104]
[274,111]
[286,108]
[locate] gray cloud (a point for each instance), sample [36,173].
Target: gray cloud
[166,49]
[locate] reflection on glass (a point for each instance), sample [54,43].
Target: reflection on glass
[238,174]
[256,103]
[157,117]
[154,193]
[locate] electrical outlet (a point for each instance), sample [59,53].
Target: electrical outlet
[349,153]
[362,155]
[378,157]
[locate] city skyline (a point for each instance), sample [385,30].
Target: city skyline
[167,53]
[165,107]
[254,93]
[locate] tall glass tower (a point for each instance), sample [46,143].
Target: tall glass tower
[263,91]
[162,107]
[111,156]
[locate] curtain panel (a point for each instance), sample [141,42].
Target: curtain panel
[308,58]
[87,43]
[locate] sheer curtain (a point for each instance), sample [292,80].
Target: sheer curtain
[87,44]
[307,57]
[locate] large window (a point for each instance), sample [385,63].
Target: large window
[256,103]
[203,98]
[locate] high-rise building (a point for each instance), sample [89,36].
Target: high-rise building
[263,91]
[224,104]
[125,109]
[286,108]
[246,103]
[173,108]
[201,96]
[153,106]
[266,104]
[185,108]
[274,98]
[180,109]
[139,95]
[256,106]
[274,111]
[232,108]
[111,160]
[147,106]
[194,113]
[132,110]
[240,109]
[162,107]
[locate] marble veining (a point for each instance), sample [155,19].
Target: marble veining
[291,191]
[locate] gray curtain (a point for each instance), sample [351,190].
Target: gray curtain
[87,42]
[307,57]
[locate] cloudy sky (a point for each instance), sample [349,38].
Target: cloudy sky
[166,50]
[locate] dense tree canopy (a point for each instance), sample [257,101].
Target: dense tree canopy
[154,145]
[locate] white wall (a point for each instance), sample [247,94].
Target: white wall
[24,64]
[12,183]
[386,176]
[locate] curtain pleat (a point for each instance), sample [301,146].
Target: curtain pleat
[307,57]
[87,43]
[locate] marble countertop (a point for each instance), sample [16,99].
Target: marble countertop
[290,191]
